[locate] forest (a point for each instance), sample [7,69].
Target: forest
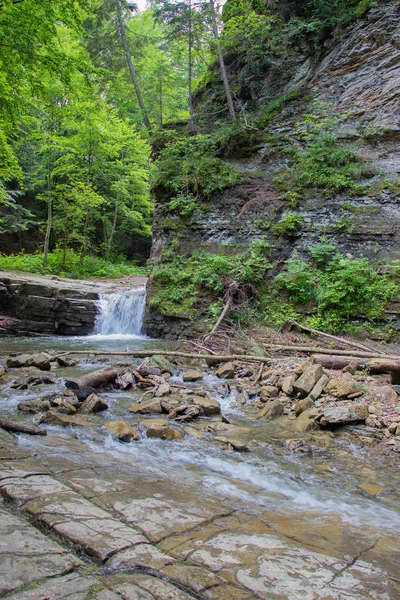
[105,109]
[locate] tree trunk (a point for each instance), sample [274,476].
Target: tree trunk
[95,379]
[132,72]
[224,76]
[113,228]
[373,365]
[19,428]
[49,209]
[190,48]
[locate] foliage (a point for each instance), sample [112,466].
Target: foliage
[289,224]
[188,169]
[323,164]
[335,288]
[91,266]
[180,282]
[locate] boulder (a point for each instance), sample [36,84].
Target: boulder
[40,361]
[273,409]
[2,371]
[93,404]
[340,415]
[34,405]
[126,380]
[84,393]
[53,417]
[226,371]
[159,428]
[304,422]
[303,405]
[207,405]
[268,391]
[307,380]
[318,388]
[192,375]
[238,445]
[123,431]
[162,390]
[287,384]
[147,407]
[65,361]
[342,389]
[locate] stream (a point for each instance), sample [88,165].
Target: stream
[310,497]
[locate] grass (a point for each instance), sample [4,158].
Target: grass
[73,267]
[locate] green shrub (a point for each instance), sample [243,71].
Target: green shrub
[335,288]
[72,266]
[288,224]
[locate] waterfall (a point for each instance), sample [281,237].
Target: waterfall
[121,313]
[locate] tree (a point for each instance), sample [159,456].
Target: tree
[224,75]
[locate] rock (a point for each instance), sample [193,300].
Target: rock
[240,399]
[268,391]
[287,384]
[126,380]
[397,389]
[192,375]
[159,428]
[318,388]
[65,361]
[207,405]
[93,404]
[371,489]
[2,371]
[84,393]
[123,431]
[186,414]
[53,417]
[236,444]
[40,361]
[66,408]
[305,383]
[351,367]
[271,410]
[304,422]
[342,389]
[162,390]
[34,405]
[145,371]
[303,405]
[226,371]
[398,431]
[147,407]
[340,415]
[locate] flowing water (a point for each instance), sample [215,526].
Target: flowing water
[318,490]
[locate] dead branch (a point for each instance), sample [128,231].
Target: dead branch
[374,365]
[19,428]
[221,316]
[330,351]
[259,374]
[337,339]
[198,346]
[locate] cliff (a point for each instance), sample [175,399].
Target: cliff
[354,92]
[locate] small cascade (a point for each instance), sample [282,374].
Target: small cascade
[121,313]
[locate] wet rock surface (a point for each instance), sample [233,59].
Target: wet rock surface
[196,497]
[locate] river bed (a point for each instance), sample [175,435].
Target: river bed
[166,488]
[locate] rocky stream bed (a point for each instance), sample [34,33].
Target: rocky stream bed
[196,482]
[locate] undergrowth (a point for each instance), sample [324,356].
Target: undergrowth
[68,265]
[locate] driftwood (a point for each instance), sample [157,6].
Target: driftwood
[19,428]
[222,315]
[330,351]
[372,365]
[259,374]
[337,339]
[144,353]
[94,380]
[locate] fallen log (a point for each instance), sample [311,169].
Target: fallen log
[337,339]
[93,380]
[372,365]
[155,352]
[330,351]
[19,428]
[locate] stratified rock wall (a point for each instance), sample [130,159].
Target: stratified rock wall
[47,306]
[360,77]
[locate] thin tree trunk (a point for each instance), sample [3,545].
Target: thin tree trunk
[224,76]
[190,47]
[132,72]
[161,100]
[113,228]
[49,209]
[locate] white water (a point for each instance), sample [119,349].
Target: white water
[121,313]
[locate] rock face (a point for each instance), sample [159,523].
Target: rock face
[361,75]
[49,306]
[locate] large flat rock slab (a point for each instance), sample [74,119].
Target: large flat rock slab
[68,587]
[26,555]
